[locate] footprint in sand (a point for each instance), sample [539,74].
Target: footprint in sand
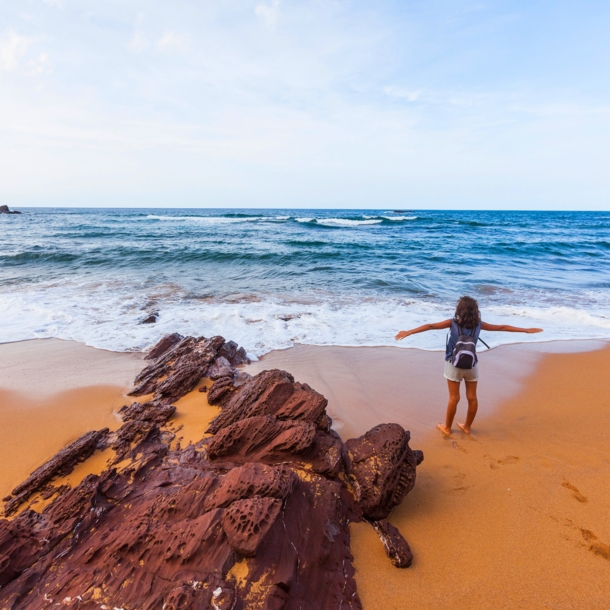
[595,545]
[459,490]
[458,447]
[495,464]
[509,459]
[575,492]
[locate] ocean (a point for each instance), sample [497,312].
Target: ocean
[271,278]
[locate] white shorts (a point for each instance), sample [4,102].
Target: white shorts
[454,374]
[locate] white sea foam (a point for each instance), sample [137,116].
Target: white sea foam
[205,219]
[107,316]
[347,222]
[400,217]
[156,217]
[342,222]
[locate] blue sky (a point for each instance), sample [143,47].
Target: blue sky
[280,103]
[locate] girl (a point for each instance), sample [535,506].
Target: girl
[466,321]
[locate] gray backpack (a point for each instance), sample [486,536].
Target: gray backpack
[464,355]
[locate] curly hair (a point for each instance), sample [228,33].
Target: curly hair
[467,313]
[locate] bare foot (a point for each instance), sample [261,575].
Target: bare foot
[446,431]
[464,429]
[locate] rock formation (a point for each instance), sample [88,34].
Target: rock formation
[4,210]
[254,515]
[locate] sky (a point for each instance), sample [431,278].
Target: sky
[305,104]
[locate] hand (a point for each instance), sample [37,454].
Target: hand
[533,330]
[402,334]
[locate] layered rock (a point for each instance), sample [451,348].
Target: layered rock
[61,464]
[254,515]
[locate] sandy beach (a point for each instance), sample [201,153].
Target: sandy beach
[52,392]
[515,516]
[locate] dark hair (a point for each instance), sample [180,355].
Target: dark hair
[467,313]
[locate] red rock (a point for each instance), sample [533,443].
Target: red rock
[396,547]
[303,404]
[168,527]
[383,468]
[252,479]
[260,395]
[178,369]
[166,343]
[247,522]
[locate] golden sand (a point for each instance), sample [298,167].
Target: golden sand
[33,431]
[52,392]
[515,516]
[193,416]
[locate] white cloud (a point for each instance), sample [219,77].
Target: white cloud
[174,42]
[40,65]
[409,96]
[138,43]
[12,47]
[56,3]
[269,13]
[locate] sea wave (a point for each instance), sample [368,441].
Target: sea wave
[347,222]
[109,315]
[399,218]
[207,219]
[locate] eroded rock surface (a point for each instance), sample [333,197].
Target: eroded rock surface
[254,516]
[383,468]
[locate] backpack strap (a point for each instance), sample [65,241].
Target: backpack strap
[477,332]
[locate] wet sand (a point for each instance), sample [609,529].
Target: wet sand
[515,516]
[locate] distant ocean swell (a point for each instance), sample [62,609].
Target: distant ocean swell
[346,222]
[272,278]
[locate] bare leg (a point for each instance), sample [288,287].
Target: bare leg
[473,405]
[454,398]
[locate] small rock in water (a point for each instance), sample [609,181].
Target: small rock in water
[4,210]
[152,318]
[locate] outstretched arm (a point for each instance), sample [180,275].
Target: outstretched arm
[421,329]
[509,329]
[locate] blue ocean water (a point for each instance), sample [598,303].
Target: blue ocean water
[272,278]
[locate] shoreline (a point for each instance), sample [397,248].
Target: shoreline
[523,503]
[571,345]
[409,385]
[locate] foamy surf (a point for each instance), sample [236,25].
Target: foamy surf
[205,219]
[109,317]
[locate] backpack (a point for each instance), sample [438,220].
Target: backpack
[464,355]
